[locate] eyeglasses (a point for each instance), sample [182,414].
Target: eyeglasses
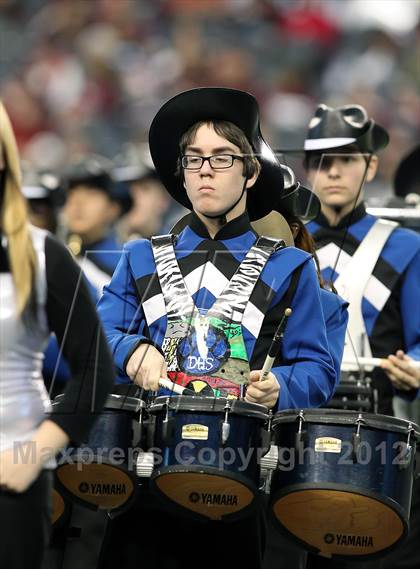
[216,161]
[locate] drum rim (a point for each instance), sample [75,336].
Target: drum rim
[113,401]
[347,417]
[199,403]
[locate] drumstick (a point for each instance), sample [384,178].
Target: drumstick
[275,345]
[376,362]
[178,389]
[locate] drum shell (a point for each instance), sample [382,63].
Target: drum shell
[189,444]
[377,475]
[244,441]
[103,459]
[332,469]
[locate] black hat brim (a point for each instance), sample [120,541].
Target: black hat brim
[214,103]
[371,141]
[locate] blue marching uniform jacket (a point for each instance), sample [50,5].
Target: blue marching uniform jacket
[336,318]
[133,312]
[390,305]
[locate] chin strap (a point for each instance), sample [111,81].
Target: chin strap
[222,216]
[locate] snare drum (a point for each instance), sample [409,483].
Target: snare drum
[101,472]
[343,482]
[207,453]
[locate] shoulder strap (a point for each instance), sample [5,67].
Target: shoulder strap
[287,299]
[178,301]
[232,302]
[352,282]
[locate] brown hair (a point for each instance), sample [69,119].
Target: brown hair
[233,134]
[14,219]
[304,240]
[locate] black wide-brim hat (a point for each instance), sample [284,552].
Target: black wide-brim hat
[213,103]
[91,171]
[333,128]
[297,200]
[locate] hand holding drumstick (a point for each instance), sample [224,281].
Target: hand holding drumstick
[264,387]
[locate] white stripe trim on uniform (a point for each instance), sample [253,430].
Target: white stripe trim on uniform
[376,293]
[97,278]
[154,308]
[328,254]
[206,276]
[324,143]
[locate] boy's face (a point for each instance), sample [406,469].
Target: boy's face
[212,192]
[88,210]
[336,176]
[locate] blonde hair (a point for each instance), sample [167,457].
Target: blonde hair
[14,218]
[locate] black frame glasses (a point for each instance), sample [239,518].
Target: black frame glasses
[216,161]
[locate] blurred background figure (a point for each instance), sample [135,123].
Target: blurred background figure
[90,213]
[141,193]
[45,197]
[83,77]
[407,178]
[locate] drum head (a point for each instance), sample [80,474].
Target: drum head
[205,492]
[209,405]
[344,417]
[339,523]
[101,486]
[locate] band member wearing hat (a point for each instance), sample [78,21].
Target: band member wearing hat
[45,197]
[373,263]
[341,149]
[216,281]
[298,206]
[146,200]
[39,288]
[90,212]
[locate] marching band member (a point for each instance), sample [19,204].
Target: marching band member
[90,211]
[218,279]
[299,206]
[340,157]
[372,262]
[39,294]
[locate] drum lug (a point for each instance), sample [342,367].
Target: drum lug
[265,441]
[168,426]
[301,434]
[406,450]
[357,439]
[225,427]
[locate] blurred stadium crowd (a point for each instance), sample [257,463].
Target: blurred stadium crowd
[87,76]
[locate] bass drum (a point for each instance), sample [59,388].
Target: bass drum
[343,482]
